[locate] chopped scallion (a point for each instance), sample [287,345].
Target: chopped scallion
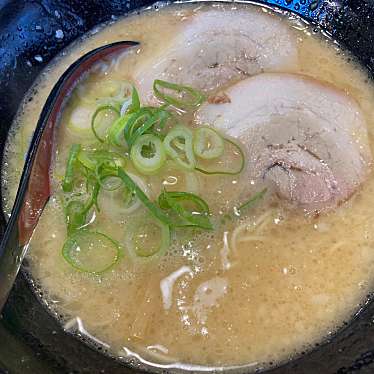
[178,145]
[91,252]
[149,239]
[135,101]
[76,215]
[228,171]
[207,143]
[153,208]
[157,117]
[103,109]
[92,159]
[67,184]
[183,97]
[251,201]
[116,131]
[148,154]
[186,209]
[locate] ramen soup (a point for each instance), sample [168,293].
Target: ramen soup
[213,199]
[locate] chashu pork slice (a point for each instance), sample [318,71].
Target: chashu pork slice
[305,138]
[215,47]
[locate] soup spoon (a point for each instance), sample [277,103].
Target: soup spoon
[35,188]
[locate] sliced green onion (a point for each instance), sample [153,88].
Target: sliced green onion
[253,200]
[186,209]
[158,117]
[106,180]
[91,252]
[125,106]
[135,121]
[184,97]
[208,144]
[178,145]
[67,184]
[105,165]
[135,101]
[149,239]
[76,211]
[119,203]
[92,159]
[228,171]
[153,208]
[116,131]
[94,196]
[76,215]
[148,154]
[246,205]
[130,201]
[126,129]
[102,110]
[196,217]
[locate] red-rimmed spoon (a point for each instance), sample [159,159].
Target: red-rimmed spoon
[35,189]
